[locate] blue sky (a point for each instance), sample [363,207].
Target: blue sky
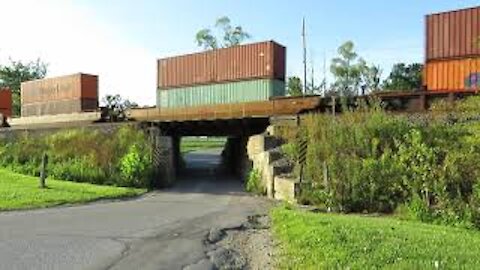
[121,39]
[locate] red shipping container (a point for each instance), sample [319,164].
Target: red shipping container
[265,60]
[6,102]
[64,88]
[453,34]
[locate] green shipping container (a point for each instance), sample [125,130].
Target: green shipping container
[224,93]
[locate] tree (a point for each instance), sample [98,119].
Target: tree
[371,76]
[16,72]
[294,86]
[347,69]
[231,36]
[404,77]
[116,107]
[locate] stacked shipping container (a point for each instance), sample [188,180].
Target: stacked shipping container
[238,74]
[5,102]
[62,95]
[453,50]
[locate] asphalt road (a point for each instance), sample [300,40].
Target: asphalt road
[162,230]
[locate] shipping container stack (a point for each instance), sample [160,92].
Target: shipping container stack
[244,73]
[453,51]
[61,95]
[5,102]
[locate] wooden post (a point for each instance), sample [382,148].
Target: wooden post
[423,102]
[43,171]
[325,175]
[334,103]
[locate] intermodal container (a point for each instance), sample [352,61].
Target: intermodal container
[65,88]
[265,60]
[453,75]
[56,107]
[6,102]
[220,93]
[454,34]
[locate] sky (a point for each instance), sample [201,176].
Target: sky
[120,40]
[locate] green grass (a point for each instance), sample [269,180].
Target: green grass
[22,192]
[330,241]
[191,144]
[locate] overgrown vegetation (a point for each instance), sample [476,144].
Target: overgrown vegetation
[425,167]
[330,241]
[21,192]
[121,157]
[254,183]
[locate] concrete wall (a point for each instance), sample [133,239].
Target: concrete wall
[266,157]
[166,154]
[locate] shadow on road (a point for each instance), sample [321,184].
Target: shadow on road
[204,172]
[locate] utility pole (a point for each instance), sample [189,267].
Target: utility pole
[312,86]
[324,73]
[304,39]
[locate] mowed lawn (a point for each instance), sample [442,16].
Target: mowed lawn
[192,144]
[329,241]
[22,192]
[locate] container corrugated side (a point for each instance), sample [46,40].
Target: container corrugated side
[6,102]
[70,87]
[453,75]
[59,107]
[453,34]
[224,93]
[243,62]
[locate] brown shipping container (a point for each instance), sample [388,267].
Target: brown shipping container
[6,102]
[265,60]
[453,34]
[59,107]
[65,88]
[453,75]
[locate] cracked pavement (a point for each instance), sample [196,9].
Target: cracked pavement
[161,230]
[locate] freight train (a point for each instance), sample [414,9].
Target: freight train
[255,73]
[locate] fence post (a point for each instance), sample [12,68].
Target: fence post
[334,105]
[43,171]
[325,175]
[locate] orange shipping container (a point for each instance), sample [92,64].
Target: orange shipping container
[6,102]
[453,75]
[265,60]
[70,87]
[453,34]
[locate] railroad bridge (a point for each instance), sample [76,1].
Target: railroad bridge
[237,121]
[166,127]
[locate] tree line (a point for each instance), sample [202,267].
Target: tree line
[354,76]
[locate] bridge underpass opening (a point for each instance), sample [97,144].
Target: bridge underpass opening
[205,150]
[212,157]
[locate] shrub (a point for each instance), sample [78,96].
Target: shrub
[118,157]
[378,162]
[254,183]
[134,165]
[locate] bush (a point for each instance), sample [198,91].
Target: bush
[254,183]
[134,165]
[120,157]
[378,162]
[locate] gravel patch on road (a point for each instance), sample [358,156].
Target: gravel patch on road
[248,246]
